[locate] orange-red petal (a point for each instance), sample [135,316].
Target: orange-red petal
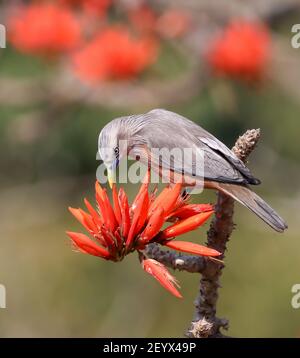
[117,208]
[167,199]
[84,219]
[112,221]
[159,199]
[186,225]
[96,217]
[105,208]
[88,246]
[100,201]
[144,187]
[99,190]
[77,214]
[190,210]
[154,225]
[108,237]
[152,196]
[162,275]
[118,238]
[172,198]
[125,213]
[89,221]
[139,217]
[191,248]
[143,213]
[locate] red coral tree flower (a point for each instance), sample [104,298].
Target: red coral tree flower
[241,51]
[120,229]
[44,29]
[114,54]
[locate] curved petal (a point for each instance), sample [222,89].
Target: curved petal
[139,217]
[125,213]
[162,275]
[87,246]
[190,210]
[85,220]
[116,202]
[192,248]
[186,225]
[154,224]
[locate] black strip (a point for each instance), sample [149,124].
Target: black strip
[133,347]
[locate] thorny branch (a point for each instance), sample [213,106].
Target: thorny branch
[189,263]
[205,323]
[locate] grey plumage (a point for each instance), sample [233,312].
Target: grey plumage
[164,129]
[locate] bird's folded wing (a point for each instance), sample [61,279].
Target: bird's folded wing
[168,129]
[195,163]
[218,147]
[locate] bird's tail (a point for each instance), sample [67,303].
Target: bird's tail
[256,204]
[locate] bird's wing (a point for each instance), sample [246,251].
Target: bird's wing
[168,130]
[218,147]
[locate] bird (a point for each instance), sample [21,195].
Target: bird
[222,170]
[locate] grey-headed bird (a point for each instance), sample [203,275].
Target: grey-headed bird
[160,128]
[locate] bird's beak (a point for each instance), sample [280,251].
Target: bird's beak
[111,176]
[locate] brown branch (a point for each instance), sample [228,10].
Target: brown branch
[192,264]
[205,323]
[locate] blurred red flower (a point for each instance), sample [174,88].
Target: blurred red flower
[121,229]
[242,50]
[44,29]
[93,7]
[114,54]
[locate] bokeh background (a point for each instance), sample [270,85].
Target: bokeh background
[72,66]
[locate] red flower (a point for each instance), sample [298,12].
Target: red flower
[121,229]
[93,7]
[114,54]
[242,51]
[159,271]
[44,29]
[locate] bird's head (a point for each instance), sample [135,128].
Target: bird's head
[109,148]
[116,140]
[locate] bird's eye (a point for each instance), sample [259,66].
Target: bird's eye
[116,150]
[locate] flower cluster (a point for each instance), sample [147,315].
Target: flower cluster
[114,54]
[44,29]
[119,229]
[101,45]
[96,46]
[241,52]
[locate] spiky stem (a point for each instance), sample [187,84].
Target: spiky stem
[205,323]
